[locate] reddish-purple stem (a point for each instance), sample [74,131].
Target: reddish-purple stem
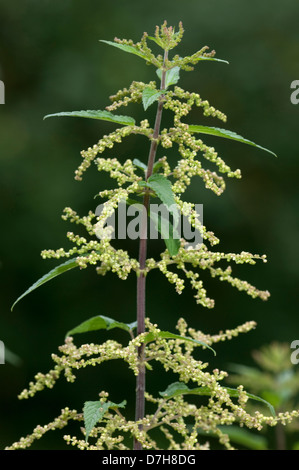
[141,279]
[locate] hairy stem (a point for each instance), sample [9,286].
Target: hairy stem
[141,279]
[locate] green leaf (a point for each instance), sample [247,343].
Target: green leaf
[139,164]
[163,189]
[149,96]
[216,131]
[164,227]
[245,438]
[132,202]
[273,397]
[167,335]
[12,358]
[240,436]
[172,76]
[126,48]
[252,372]
[62,268]
[97,114]
[175,389]
[179,388]
[156,40]
[101,322]
[94,411]
[157,166]
[169,234]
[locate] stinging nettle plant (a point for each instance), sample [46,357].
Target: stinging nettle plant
[183,423]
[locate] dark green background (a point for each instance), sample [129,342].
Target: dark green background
[51,60]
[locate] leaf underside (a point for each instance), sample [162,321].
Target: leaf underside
[168,233]
[96,114]
[179,388]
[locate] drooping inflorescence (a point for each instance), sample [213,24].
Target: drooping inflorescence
[191,153]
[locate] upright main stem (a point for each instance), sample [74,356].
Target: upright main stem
[141,279]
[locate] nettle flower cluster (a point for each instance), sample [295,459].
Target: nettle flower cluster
[192,152]
[178,418]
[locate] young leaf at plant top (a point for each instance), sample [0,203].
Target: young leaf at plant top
[62,268]
[216,131]
[100,322]
[94,411]
[97,114]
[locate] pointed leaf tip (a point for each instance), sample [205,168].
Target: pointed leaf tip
[167,335]
[94,411]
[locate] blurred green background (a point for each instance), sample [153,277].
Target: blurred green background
[51,60]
